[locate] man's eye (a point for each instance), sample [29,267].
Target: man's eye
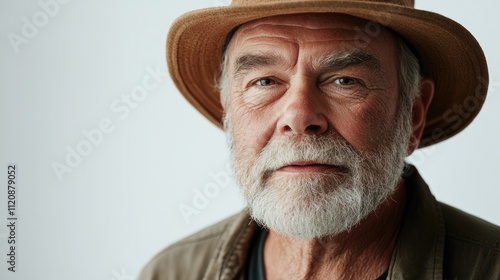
[345,81]
[265,82]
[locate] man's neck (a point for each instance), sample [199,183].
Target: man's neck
[362,253]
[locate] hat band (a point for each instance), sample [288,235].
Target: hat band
[407,3]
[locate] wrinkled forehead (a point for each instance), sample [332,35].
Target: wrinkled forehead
[315,22]
[306,27]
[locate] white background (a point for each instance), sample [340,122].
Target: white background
[120,204]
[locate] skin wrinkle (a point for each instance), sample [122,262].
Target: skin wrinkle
[243,87]
[311,255]
[334,32]
[250,61]
[285,38]
[404,77]
[304,19]
[347,58]
[332,62]
[328,63]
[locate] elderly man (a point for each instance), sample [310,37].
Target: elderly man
[322,102]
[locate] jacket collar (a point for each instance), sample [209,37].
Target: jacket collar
[418,253]
[230,257]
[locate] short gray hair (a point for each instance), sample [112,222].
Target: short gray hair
[408,75]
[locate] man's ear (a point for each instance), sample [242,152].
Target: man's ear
[420,108]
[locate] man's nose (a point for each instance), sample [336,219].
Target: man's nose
[304,111]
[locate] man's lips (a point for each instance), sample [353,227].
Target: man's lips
[311,166]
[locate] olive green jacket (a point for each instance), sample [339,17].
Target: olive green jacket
[436,242]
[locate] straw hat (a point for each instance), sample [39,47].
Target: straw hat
[448,52]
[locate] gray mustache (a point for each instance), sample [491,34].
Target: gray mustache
[321,149]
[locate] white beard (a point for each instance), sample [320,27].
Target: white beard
[316,205]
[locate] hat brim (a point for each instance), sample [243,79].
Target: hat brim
[448,53]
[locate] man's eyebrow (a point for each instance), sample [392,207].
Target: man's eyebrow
[345,59]
[249,61]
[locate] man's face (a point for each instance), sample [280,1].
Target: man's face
[316,137]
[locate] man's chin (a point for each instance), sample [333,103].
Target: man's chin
[313,206]
[306,229]
[307,216]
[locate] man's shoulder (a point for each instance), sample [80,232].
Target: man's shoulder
[190,257]
[205,235]
[471,229]
[472,245]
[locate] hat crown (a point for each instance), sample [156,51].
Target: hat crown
[448,53]
[407,3]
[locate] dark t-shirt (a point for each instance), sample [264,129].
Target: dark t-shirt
[255,264]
